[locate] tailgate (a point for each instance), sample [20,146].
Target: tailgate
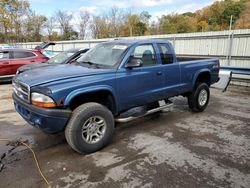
[44,45]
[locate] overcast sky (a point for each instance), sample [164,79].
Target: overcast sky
[155,7]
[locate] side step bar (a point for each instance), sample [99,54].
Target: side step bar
[130,118]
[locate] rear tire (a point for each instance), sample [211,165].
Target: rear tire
[90,128]
[199,98]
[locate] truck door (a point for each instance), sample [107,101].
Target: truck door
[171,70]
[140,85]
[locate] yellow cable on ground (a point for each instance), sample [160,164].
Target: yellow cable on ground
[35,158]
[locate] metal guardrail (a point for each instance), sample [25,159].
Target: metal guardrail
[237,70]
[228,74]
[238,74]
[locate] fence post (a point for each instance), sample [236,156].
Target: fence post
[174,42]
[230,45]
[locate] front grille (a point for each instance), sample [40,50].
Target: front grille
[21,90]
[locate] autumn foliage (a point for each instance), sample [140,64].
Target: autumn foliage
[18,23]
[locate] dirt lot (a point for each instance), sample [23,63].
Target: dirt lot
[176,149]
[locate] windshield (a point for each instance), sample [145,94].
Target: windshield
[106,54]
[60,58]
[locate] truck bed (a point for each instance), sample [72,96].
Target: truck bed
[183,59]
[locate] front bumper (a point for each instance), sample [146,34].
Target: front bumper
[47,119]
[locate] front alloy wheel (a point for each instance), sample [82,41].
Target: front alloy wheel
[94,129]
[90,128]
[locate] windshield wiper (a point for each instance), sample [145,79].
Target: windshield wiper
[89,63]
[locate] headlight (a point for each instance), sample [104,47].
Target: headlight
[42,100]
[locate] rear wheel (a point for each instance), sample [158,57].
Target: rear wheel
[199,98]
[90,128]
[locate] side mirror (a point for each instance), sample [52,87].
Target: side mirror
[134,63]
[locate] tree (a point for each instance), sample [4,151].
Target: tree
[231,9]
[190,14]
[64,19]
[115,19]
[166,26]
[140,28]
[19,23]
[145,17]
[12,13]
[211,14]
[202,26]
[54,36]
[38,22]
[154,28]
[244,19]
[99,27]
[50,26]
[175,23]
[83,20]
[33,26]
[131,21]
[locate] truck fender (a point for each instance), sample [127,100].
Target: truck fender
[90,89]
[198,73]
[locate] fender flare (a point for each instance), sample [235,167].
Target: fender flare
[198,73]
[87,90]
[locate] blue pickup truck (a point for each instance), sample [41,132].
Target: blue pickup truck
[84,98]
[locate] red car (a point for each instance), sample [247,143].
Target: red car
[12,59]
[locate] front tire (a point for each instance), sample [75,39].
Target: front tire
[90,128]
[199,98]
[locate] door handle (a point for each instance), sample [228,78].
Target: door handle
[159,73]
[6,63]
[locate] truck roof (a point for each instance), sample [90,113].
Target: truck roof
[137,41]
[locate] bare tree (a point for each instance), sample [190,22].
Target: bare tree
[99,27]
[145,17]
[115,17]
[84,18]
[95,26]
[50,26]
[64,19]
[33,26]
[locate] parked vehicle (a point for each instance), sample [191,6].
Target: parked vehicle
[68,56]
[8,47]
[13,58]
[84,98]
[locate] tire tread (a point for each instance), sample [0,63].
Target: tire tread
[77,113]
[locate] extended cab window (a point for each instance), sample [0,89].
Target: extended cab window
[166,54]
[146,53]
[23,54]
[4,55]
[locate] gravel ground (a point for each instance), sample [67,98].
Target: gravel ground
[175,149]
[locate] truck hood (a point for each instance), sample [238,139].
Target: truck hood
[32,66]
[46,74]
